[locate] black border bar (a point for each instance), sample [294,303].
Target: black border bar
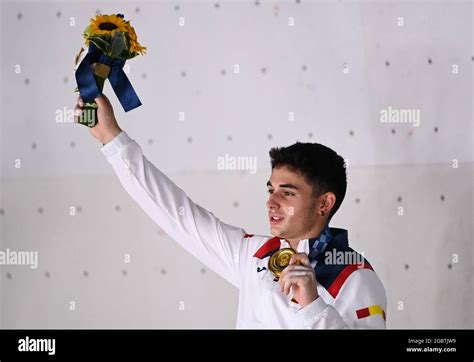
[214,344]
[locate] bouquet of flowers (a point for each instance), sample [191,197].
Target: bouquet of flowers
[111,41]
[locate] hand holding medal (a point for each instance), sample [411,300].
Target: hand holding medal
[297,276]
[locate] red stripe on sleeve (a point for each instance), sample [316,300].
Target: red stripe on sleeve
[342,277]
[362,313]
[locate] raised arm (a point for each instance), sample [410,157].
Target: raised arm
[218,245]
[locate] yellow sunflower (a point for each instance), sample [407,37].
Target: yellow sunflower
[135,46]
[107,25]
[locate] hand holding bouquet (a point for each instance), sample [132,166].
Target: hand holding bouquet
[111,41]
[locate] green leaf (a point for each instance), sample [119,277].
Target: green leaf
[100,43]
[126,55]
[87,31]
[119,44]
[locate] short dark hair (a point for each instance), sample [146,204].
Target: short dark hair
[321,166]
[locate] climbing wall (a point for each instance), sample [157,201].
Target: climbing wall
[388,85]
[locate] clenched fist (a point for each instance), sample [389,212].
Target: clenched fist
[107,127]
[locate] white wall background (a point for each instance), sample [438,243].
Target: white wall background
[283,69]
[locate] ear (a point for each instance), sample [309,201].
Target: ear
[326,203]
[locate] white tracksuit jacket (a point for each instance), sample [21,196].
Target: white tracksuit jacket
[349,297]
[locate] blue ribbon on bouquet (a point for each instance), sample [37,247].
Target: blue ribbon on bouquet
[118,80]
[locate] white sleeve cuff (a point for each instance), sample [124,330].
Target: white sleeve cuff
[116,145]
[308,314]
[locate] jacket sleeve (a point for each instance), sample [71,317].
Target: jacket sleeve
[360,303]
[214,243]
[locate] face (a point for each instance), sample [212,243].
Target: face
[292,208]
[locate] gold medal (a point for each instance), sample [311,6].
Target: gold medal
[280,260]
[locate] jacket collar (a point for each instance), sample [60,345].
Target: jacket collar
[330,238]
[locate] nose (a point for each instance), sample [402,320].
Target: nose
[271,202]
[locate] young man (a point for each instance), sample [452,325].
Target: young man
[316,290]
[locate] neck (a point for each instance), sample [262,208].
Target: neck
[313,233]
